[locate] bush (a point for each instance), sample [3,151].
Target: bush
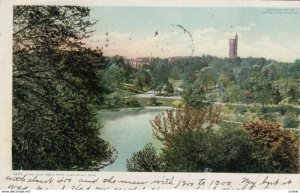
[260,146]
[281,109]
[225,98]
[241,110]
[269,116]
[153,101]
[278,147]
[192,151]
[183,119]
[290,121]
[114,100]
[132,102]
[144,160]
[225,150]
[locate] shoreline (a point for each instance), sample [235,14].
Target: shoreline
[136,108]
[109,161]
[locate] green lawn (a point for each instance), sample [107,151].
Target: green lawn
[131,88]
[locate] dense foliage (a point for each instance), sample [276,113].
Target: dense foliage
[278,147]
[166,126]
[244,83]
[244,80]
[227,149]
[247,87]
[194,146]
[55,86]
[145,160]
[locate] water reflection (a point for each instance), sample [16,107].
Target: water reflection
[128,130]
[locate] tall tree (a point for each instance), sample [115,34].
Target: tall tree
[207,77]
[279,148]
[182,119]
[263,90]
[194,95]
[55,84]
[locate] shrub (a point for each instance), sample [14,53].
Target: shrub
[278,147]
[281,109]
[153,101]
[227,149]
[183,119]
[145,160]
[290,121]
[132,102]
[241,109]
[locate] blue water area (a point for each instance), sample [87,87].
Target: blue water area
[128,130]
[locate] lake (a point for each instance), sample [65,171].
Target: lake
[128,130]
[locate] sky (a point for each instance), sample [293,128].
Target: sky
[195,31]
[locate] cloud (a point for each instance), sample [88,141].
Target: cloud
[246,28]
[268,48]
[205,31]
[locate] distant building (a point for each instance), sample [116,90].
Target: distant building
[139,63]
[233,46]
[136,63]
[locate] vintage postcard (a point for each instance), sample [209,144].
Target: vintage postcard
[150,95]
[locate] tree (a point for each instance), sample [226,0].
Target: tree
[264,91]
[278,147]
[191,146]
[194,95]
[207,77]
[192,151]
[142,79]
[183,119]
[55,87]
[276,96]
[132,102]
[159,73]
[145,160]
[236,152]
[233,92]
[294,69]
[227,149]
[169,89]
[292,93]
[153,101]
[242,77]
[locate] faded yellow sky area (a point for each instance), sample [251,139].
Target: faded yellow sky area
[166,32]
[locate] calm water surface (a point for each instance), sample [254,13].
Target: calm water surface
[128,130]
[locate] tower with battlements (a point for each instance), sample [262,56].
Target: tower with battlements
[233,45]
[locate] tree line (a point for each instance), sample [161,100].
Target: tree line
[55,89]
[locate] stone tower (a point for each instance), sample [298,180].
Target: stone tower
[233,45]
